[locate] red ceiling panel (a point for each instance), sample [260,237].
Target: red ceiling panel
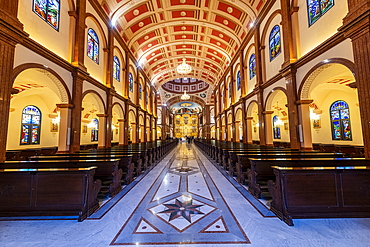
[136,27]
[142,39]
[235,12]
[179,28]
[130,15]
[221,20]
[224,36]
[177,14]
[150,45]
[177,2]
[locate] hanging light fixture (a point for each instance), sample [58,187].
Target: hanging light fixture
[185,96]
[183,68]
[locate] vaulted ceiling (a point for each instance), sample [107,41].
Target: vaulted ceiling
[160,33]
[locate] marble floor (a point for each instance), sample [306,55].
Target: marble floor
[184,200]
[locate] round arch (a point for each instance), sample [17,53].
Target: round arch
[271,95]
[97,97]
[100,28]
[63,90]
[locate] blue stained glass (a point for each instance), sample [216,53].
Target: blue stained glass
[341,126]
[147,100]
[116,68]
[238,79]
[140,92]
[24,134]
[276,128]
[26,119]
[316,8]
[93,46]
[230,90]
[96,122]
[336,130]
[131,83]
[35,134]
[338,105]
[275,42]
[223,98]
[48,10]
[346,130]
[32,110]
[252,66]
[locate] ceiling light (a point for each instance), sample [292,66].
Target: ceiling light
[183,68]
[185,96]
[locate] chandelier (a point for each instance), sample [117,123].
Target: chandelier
[185,96]
[183,68]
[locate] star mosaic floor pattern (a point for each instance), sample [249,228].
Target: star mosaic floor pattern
[185,200]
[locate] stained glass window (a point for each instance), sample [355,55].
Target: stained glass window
[316,8]
[340,121]
[238,80]
[48,10]
[223,98]
[95,130]
[116,68]
[230,90]
[276,127]
[140,92]
[147,100]
[275,42]
[252,66]
[31,123]
[130,83]
[93,46]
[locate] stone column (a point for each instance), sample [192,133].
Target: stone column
[164,123]
[207,114]
[78,76]
[121,131]
[151,129]
[110,56]
[102,129]
[126,124]
[64,127]
[136,88]
[127,72]
[137,127]
[145,129]
[155,129]
[108,126]
[233,124]
[242,75]
[244,123]
[249,130]
[305,124]
[226,127]
[261,118]
[268,126]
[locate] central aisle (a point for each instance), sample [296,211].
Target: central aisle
[182,206]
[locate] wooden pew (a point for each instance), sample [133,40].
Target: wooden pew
[106,169]
[256,173]
[261,168]
[124,164]
[330,191]
[49,192]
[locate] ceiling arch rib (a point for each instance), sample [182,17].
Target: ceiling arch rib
[161,32]
[155,48]
[179,62]
[201,23]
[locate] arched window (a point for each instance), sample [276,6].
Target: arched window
[147,99]
[317,8]
[229,89]
[252,66]
[93,46]
[130,83]
[140,92]
[95,130]
[238,80]
[31,124]
[340,121]
[223,98]
[49,11]
[275,42]
[276,127]
[116,68]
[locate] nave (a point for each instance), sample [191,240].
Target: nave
[213,211]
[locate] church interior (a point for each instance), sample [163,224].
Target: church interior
[184,122]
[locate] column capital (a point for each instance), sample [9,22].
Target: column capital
[304,102]
[70,106]
[102,115]
[267,112]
